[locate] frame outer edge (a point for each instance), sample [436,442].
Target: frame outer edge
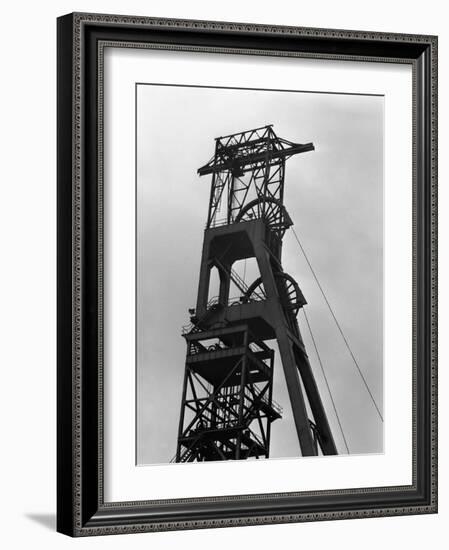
[434,272]
[69,521]
[65,412]
[233,26]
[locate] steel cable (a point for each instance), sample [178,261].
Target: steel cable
[325,379]
[338,325]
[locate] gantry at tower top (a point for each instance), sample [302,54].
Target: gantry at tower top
[248,177]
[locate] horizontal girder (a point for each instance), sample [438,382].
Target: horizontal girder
[236,163]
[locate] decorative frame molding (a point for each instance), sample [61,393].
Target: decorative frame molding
[81,42]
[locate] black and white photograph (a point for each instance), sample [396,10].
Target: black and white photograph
[259,273]
[246,277]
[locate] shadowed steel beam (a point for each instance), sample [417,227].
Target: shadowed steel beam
[305,436]
[238,162]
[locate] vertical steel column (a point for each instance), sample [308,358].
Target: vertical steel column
[285,348]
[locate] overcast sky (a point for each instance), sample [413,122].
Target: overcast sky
[334,196]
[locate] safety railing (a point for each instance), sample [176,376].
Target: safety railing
[187,329]
[232,301]
[264,399]
[218,223]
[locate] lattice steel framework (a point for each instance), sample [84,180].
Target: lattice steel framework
[227,398]
[250,167]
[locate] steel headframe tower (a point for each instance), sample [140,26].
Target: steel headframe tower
[227,405]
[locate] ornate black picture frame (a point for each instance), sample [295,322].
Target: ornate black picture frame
[81,510]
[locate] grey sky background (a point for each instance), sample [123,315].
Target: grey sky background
[334,196]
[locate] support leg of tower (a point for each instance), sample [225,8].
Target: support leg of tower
[288,359]
[326,439]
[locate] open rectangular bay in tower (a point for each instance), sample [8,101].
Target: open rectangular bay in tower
[259,274]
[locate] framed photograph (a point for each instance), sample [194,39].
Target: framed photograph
[247,278]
